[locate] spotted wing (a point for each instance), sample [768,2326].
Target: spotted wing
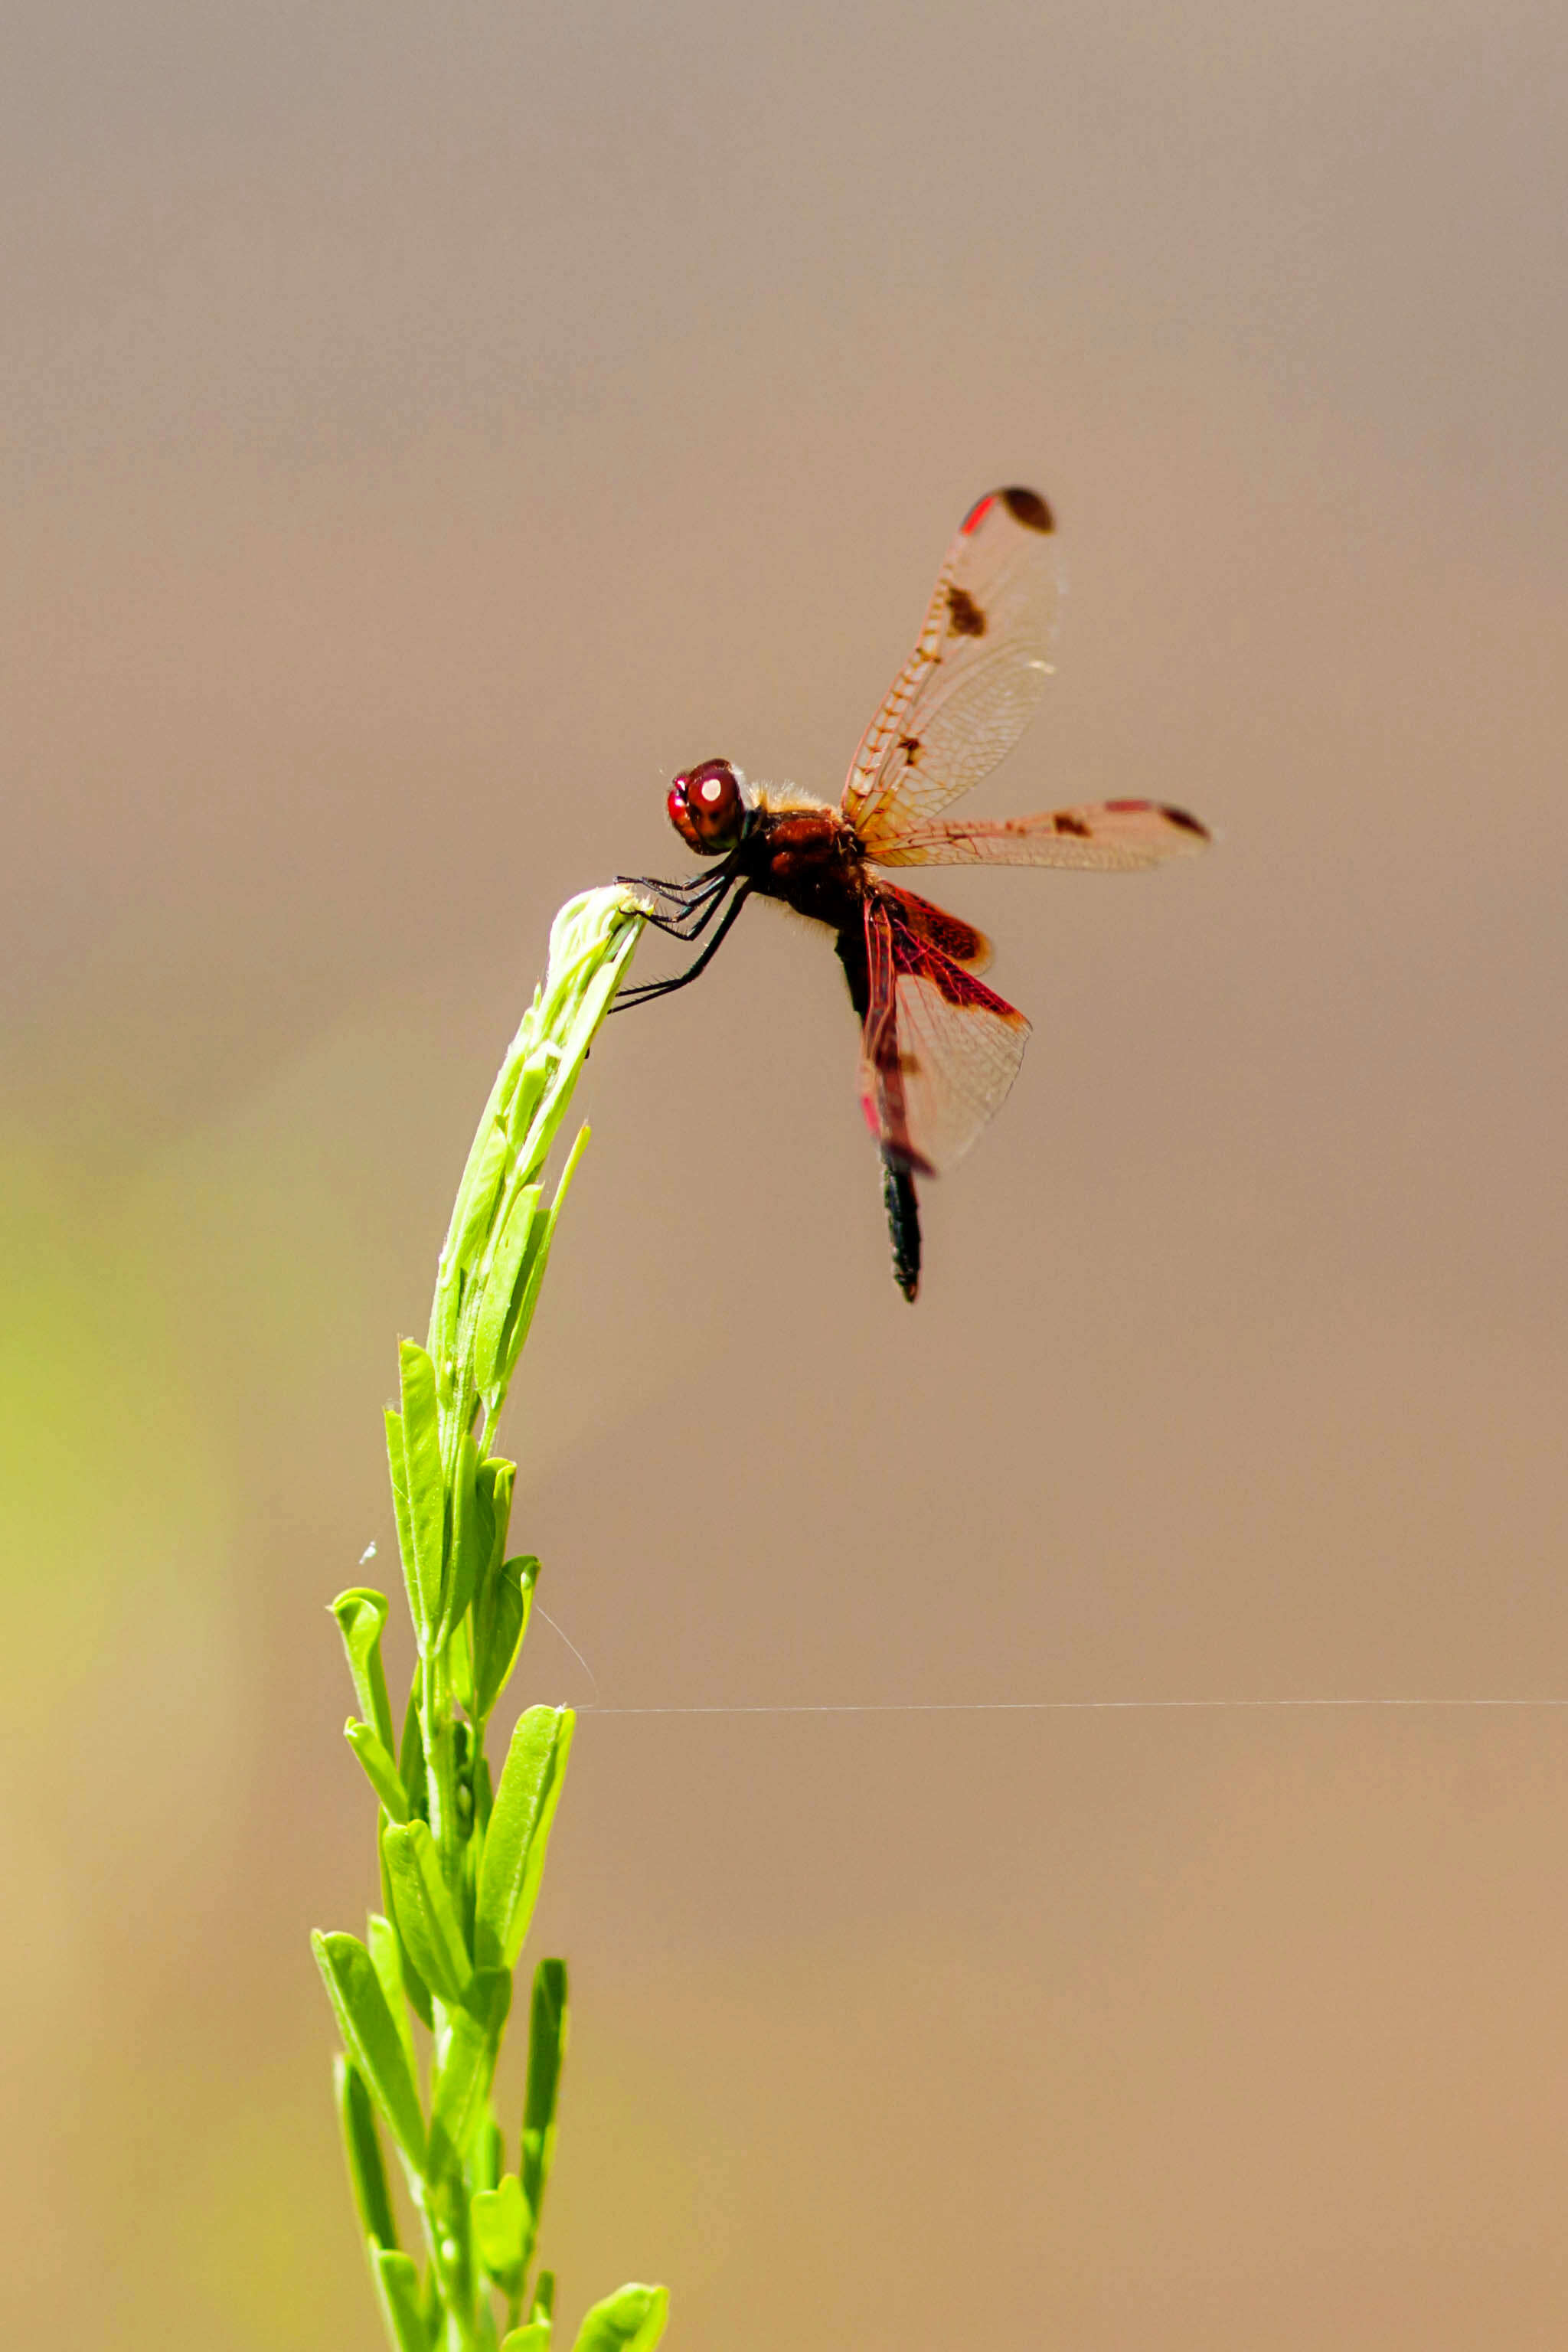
[939,1049]
[1114,836]
[979,667]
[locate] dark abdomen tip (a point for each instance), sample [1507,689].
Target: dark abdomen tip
[1028,508]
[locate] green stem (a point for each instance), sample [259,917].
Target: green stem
[491,1268]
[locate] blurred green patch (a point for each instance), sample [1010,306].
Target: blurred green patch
[241,2233]
[113,1495]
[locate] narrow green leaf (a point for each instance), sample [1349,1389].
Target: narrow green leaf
[387,1958]
[379,1768]
[371,2038]
[411,1759]
[488,2160]
[484,1804]
[415,1991]
[427,1500]
[398,1470]
[460,1666]
[502,1480]
[547,2032]
[535,2337]
[592,1003]
[495,1478]
[473,1213]
[631,2320]
[501,1626]
[362,2145]
[521,1318]
[526,1071]
[475,1204]
[361,1614]
[463,2084]
[501,2230]
[503,1276]
[518,1836]
[426,1920]
[397,2288]
[473,1536]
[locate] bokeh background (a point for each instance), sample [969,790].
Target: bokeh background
[425,430]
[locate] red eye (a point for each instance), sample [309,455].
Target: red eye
[708,808]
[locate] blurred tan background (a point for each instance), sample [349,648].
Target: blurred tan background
[425,430]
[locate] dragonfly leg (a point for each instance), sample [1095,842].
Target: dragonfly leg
[695,902]
[690,926]
[678,891]
[648,990]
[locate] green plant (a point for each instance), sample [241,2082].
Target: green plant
[462,1860]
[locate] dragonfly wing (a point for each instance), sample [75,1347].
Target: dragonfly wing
[949,934]
[939,1049]
[979,667]
[1112,836]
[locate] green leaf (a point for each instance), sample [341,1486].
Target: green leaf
[411,1759]
[416,1992]
[370,2037]
[473,1532]
[519,1833]
[631,2320]
[535,2337]
[379,1768]
[426,1920]
[501,2226]
[527,1298]
[463,2084]
[397,1471]
[460,1666]
[483,1518]
[589,968]
[489,2159]
[475,1204]
[500,1625]
[362,2145]
[397,2289]
[484,1802]
[547,2033]
[387,1958]
[472,1214]
[361,1614]
[504,1277]
[425,1491]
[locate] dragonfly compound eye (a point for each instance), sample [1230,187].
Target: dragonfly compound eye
[708,808]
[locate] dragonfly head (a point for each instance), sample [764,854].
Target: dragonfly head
[711,809]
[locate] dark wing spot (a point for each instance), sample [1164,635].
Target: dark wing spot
[1067,823]
[910,745]
[965,617]
[1028,508]
[1188,824]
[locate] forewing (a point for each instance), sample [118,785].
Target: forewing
[979,667]
[939,1049]
[1112,836]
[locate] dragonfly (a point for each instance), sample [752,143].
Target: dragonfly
[939,1049]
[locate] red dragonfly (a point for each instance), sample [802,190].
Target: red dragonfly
[939,1050]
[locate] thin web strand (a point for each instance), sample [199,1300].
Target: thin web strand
[1065,1705]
